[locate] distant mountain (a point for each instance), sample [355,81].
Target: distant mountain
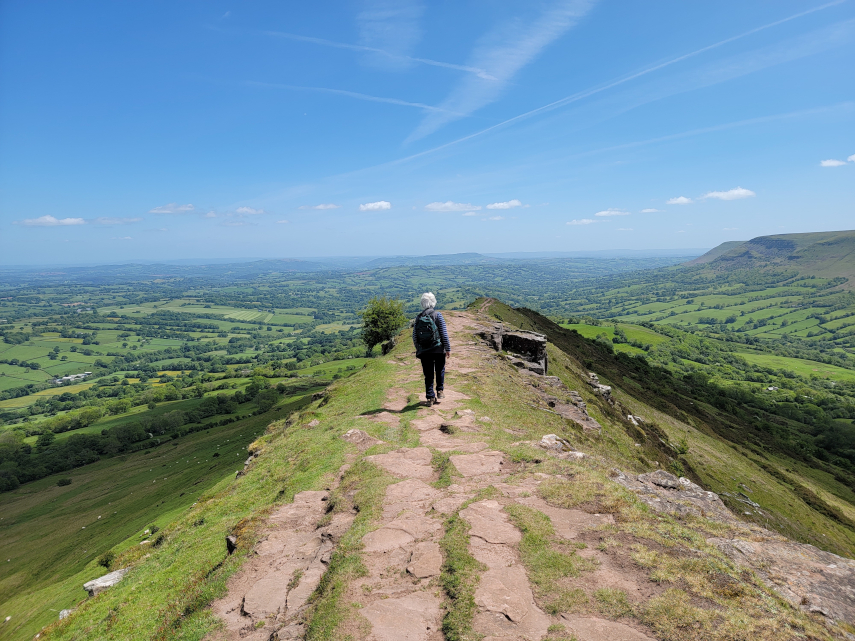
[824,254]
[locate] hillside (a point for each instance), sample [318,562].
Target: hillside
[819,254]
[366,515]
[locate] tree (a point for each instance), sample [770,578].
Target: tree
[381,320]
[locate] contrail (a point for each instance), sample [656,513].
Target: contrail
[481,73]
[595,90]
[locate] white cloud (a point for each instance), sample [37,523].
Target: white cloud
[172,208]
[506,205]
[611,212]
[730,194]
[237,223]
[471,213]
[379,205]
[624,228]
[679,200]
[249,211]
[211,214]
[116,221]
[496,218]
[832,163]
[582,221]
[502,53]
[123,238]
[321,206]
[651,211]
[50,221]
[282,222]
[851,158]
[452,206]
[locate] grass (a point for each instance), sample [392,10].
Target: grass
[51,553]
[459,579]
[547,561]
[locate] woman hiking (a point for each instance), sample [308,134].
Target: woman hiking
[430,336]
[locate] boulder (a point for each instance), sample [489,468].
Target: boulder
[96,586]
[64,614]
[360,439]
[555,443]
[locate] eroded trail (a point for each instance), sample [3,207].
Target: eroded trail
[536,570]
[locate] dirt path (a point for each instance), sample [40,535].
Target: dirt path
[399,598]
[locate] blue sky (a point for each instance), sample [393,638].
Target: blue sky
[166,130]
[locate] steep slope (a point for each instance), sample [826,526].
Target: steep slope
[451,522]
[820,254]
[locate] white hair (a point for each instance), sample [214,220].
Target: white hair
[428,300]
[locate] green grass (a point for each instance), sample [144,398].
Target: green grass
[799,366]
[51,553]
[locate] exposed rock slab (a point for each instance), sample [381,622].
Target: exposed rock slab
[362,440]
[568,523]
[426,560]
[807,577]
[488,522]
[596,629]
[414,617]
[507,606]
[664,492]
[405,463]
[439,441]
[97,586]
[477,464]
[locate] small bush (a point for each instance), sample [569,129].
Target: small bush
[153,529]
[63,482]
[106,559]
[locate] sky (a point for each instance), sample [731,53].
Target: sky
[148,130]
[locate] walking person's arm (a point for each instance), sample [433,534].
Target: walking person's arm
[443,335]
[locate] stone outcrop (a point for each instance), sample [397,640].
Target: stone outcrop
[529,347]
[96,586]
[807,577]
[664,492]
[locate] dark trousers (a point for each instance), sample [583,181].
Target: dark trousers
[433,363]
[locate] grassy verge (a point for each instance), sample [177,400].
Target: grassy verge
[367,484]
[459,579]
[548,560]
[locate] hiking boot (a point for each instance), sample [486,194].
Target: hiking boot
[440,394]
[431,400]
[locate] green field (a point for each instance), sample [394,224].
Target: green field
[801,367]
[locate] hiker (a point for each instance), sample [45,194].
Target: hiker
[430,337]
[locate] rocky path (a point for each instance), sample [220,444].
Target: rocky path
[399,598]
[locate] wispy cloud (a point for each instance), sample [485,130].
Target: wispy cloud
[378,206]
[122,238]
[832,163]
[730,194]
[249,211]
[481,73]
[624,228]
[502,53]
[390,27]
[350,94]
[679,200]
[106,220]
[650,210]
[238,223]
[619,81]
[730,228]
[452,206]
[282,222]
[471,213]
[211,214]
[510,204]
[172,208]
[851,158]
[496,218]
[50,221]
[582,221]
[611,212]
[320,207]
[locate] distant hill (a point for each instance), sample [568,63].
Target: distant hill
[821,254]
